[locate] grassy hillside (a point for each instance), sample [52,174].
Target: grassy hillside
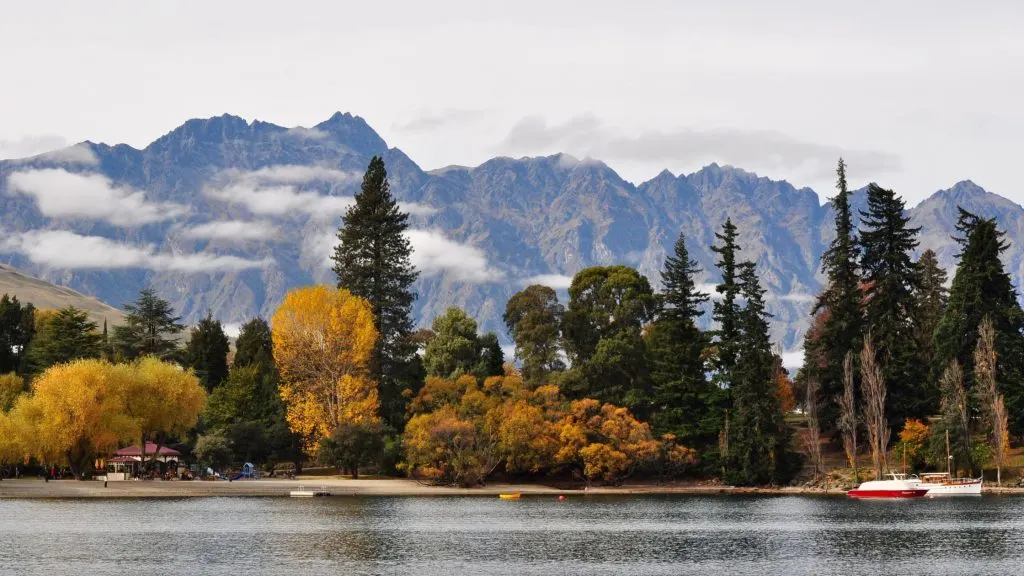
[45,295]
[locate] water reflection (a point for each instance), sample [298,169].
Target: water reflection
[583,535]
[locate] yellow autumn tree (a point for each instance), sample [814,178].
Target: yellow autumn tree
[163,400]
[605,442]
[75,411]
[323,344]
[11,387]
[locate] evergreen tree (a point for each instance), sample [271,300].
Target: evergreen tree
[17,329]
[982,287]
[254,345]
[603,301]
[151,329]
[838,330]
[65,336]
[726,310]
[617,372]
[683,402]
[207,352]
[492,358]
[533,317]
[932,298]
[759,438]
[891,280]
[372,260]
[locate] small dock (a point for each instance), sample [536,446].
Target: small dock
[309,492]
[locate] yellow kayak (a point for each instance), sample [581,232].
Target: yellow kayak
[509,496]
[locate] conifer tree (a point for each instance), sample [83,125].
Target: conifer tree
[726,310]
[759,439]
[206,352]
[683,402]
[981,287]
[839,305]
[17,329]
[372,261]
[65,336]
[891,280]
[932,299]
[533,317]
[151,329]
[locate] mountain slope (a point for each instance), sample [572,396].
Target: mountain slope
[481,233]
[45,295]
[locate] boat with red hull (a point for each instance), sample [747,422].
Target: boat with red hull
[897,486]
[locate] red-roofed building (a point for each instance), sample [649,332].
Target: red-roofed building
[127,462]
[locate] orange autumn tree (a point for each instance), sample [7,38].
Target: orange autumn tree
[460,431]
[323,342]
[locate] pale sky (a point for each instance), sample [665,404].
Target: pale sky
[916,95]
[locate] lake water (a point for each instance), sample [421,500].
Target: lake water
[539,535]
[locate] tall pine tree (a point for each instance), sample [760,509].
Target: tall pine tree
[683,402]
[759,438]
[982,287]
[891,281]
[932,299]
[838,308]
[726,309]
[372,260]
[151,329]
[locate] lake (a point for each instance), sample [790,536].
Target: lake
[535,535]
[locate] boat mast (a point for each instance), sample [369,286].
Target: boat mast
[949,457]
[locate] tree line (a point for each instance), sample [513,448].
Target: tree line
[618,380]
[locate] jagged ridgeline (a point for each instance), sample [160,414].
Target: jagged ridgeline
[528,217]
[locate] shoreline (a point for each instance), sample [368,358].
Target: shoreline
[73,489]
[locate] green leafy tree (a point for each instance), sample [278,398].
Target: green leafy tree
[65,336]
[603,301]
[982,287]
[214,450]
[207,352]
[891,280]
[492,358]
[533,317]
[372,260]
[840,323]
[454,349]
[684,402]
[350,446]
[759,441]
[17,329]
[151,329]
[618,373]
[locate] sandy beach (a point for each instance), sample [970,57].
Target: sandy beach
[35,488]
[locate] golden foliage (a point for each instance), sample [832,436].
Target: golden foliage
[914,437]
[323,343]
[11,387]
[86,407]
[460,432]
[784,390]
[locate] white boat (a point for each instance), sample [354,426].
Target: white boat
[897,486]
[942,484]
[309,492]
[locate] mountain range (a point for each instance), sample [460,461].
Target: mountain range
[225,215]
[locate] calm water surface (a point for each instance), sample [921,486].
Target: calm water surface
[467,535]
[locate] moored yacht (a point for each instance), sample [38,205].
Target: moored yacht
[942,484]
[896,486]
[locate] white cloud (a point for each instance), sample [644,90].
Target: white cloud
[290,174]
[798,297]
[66,195]
[556,281]
[30,146]
[793,359]
[433,253]
[432,121]
[282,200]
[309,133]
[63,249]
[232,230]
[77,154]
[275,191]
[589,135]
[232,330]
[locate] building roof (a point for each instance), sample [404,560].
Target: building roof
[150,450]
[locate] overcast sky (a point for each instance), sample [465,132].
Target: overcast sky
[916,95]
